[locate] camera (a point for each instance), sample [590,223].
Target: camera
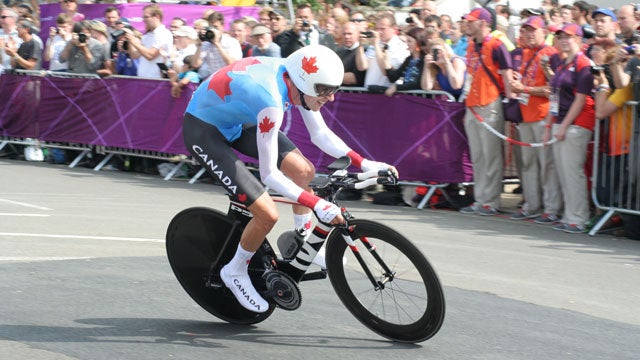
[595,70]
[305,24]
[631,50]
[208,35]
[409,20]
[367,34]
[57,31]
[435,54]
[82,38]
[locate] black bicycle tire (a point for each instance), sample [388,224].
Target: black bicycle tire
[431,320]
[193,236]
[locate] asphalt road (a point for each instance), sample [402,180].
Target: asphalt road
[83,275]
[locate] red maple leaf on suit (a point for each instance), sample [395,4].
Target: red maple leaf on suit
[266,125]
[309,65]
[242,197]
[221,80]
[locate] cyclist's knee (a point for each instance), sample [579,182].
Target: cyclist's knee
[265,213]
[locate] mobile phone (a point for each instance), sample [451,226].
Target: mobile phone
[367,34]
[163,70]
[435,54]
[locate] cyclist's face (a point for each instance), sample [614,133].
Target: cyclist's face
[316,102]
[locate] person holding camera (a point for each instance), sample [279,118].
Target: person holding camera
[84,54]
[154,47]
[215,49]
[381,47]
[304,33]
[443,69]
[124,63]
[58,38]
[29,55]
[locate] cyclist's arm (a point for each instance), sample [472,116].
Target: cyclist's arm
[269,121]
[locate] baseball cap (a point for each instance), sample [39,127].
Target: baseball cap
[278,13]
[605,12]
[187,31]
[259,30]
[535,22]
[571,29]
[478,14]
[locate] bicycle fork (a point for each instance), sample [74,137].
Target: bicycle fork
[388,275]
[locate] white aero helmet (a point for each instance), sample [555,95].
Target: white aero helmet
[316,70]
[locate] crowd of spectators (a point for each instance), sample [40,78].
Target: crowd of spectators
[542,58]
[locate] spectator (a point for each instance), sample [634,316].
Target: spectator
[111,18]
[580,14]
[279,28]
[188,75]
[459,39]
[566,11]
[184,44]
[215,48]
[614,172]
[572,114]
[264,16]
[446,72]
[304,32]
[84,54]
[70,7]
[539,179]
[29,55]
[125,64]
[239,32]
[176,23]
[58,38]
[264,45]
[25,11]
[155,45]
[605,24]
[385,47]
[628,24]
[347,53]
[489,71]
[359,19]
[8,36]
[411,69]
[99,32]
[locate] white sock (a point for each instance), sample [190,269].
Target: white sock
[240,262]
[302,221]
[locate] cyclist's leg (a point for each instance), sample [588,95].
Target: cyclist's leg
[209,147]
[290,161]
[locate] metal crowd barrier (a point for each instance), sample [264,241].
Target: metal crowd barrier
[615,187]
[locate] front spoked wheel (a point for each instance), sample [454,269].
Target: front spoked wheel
[392,289]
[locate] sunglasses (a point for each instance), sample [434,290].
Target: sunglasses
[5,16]
[358,20]
[325,90]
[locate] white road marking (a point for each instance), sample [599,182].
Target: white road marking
[87,237]
[41,258]
[16,214]
[25,204]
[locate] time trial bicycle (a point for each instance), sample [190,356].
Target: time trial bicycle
[382,278]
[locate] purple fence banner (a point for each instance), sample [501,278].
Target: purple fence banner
[423,138]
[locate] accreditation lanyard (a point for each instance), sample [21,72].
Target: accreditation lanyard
[556,82]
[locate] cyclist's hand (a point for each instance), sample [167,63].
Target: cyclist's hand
[328,212]
[368,165]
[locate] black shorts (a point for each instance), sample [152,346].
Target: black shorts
[214,152]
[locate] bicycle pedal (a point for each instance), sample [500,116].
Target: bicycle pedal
[316,275]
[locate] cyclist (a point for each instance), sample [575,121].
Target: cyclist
[241,107]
